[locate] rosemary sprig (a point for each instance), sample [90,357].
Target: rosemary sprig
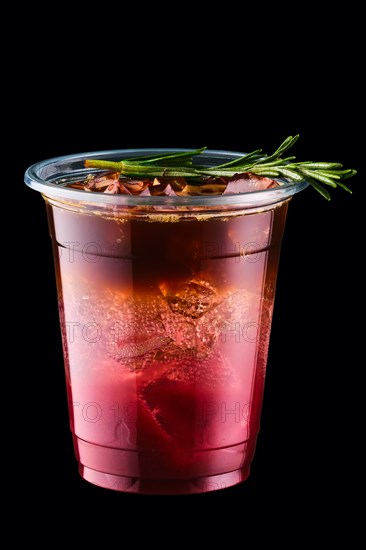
[317,174]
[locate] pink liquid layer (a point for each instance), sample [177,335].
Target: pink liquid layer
[165,344]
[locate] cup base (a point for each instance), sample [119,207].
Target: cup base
[163,487]
[149,472]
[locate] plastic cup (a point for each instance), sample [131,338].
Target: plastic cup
[165,308]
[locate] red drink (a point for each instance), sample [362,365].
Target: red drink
[166,295]
[166,329]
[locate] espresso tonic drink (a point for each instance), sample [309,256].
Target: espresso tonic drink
[166,304]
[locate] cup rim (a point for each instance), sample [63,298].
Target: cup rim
[48,175]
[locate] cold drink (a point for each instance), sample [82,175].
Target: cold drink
[166,304]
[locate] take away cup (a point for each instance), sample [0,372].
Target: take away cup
[165,308]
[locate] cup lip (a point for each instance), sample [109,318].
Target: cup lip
[41,176]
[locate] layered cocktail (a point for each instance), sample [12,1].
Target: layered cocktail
[166,302]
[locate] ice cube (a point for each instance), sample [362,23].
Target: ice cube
[180,329]
[136,329]
[207,186]
[184,365]
[191,299]
[102,182]
[136,187]
[140,346]
[117,188]
[247,182]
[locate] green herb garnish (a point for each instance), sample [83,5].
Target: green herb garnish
[173,165]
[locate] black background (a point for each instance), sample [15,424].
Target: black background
[307,448]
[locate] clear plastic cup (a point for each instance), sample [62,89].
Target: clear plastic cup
[165,307]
